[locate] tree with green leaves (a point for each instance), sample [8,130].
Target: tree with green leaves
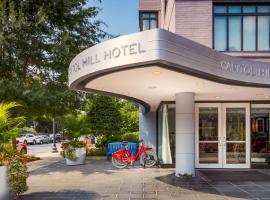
[104,116]
[130,117]
[38,39]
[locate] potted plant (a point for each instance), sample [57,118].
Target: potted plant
[13,172]
[4,192]
[74,152]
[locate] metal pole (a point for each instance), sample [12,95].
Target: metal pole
[54,149]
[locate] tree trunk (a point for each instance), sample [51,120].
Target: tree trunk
[14,144]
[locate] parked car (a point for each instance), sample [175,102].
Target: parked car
[26,138]
[21,147]
[57,137]
[41,139]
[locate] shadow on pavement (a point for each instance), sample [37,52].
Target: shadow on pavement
[221,188]
[91,166]
[61,195]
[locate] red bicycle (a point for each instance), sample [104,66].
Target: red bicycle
[124,157]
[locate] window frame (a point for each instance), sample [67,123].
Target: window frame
[242,15]
[147,12]
[262,123]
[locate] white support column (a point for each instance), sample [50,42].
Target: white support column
[185,134]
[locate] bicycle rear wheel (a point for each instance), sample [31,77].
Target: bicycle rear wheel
[118,163]
[149,159]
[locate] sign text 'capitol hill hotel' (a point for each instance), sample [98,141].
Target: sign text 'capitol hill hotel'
[242,69]
[107,55]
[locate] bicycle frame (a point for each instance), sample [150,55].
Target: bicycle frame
[127,157]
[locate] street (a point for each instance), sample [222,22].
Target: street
[42,150]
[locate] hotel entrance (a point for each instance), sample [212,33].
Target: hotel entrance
[222,135]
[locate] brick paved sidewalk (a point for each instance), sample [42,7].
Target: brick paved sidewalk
[99,180]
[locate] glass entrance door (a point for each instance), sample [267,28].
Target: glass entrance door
[236,135]
[222,135]
[208,135]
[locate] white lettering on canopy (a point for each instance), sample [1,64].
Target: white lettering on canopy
[110,54]
[242,69]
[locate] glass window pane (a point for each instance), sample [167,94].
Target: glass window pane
[208,124]
[235,153]
[153,24]
[260,135]
[235,33]
[234,9]
[146,15]
[263,9]
[235,124]
[146,25]
[249,33]
[220,9]
[263,33]
[220,33]
[153,15]
[208,152]
[249,9]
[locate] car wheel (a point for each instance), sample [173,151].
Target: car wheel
[34,142]
[25,141]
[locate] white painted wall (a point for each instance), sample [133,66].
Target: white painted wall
[147,128]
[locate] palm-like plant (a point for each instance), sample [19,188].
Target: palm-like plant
[9,126]
[76,125]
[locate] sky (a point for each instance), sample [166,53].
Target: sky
[121,16]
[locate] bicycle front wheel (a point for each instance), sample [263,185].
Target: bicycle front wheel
[149,159]
[118,163]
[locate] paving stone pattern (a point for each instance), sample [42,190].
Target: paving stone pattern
[97,179]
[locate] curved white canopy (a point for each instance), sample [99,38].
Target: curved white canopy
[152,66]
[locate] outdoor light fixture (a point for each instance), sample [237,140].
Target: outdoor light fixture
[200,83]
[232,88]
[217,97]
[156,72]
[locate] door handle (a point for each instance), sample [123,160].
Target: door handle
[220,141]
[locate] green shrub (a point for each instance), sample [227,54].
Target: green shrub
[102,140]
[97,152]
[130,137]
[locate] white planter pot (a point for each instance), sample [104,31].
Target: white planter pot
[80,157]
[4,192]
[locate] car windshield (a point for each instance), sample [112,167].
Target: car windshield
[21,135]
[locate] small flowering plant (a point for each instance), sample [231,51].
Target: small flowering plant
[70,148]
[17,169]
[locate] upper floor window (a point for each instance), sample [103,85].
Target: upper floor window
[148,20]
[242,27]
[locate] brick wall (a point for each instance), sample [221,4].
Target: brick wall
[193,20]
[150,5]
